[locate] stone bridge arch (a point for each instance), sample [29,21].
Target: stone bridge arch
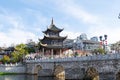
[59,71]
[91,74]
[37,68]
[117,75]
[73,70]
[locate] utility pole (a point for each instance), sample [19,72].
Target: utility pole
[102,41]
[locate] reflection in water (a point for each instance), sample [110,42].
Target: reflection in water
[27,77]
[12,77]
[62,78]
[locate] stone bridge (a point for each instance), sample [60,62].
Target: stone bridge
[108,66]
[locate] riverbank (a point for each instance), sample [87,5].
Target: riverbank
[12,69]
[5,73]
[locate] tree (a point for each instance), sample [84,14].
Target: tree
[30,49]
[19,53]
[99,50]
[15,57]
[102,51]
[5,59]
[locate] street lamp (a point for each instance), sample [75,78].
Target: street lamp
[103,41]
[119,16]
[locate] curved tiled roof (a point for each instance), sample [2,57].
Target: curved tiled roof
[52,27]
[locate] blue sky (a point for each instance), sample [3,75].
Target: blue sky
[21,20]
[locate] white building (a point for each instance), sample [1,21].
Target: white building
[82,43]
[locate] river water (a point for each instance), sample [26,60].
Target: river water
[35,77]
[25,77]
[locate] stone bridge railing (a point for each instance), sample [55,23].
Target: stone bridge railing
[83,58]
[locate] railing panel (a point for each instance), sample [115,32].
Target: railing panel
[83,58]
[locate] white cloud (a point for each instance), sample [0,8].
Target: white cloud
[97,24]
[111,31]
[15,36]
[76,11]
[15,21]
[15,33]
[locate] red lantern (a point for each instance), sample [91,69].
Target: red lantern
[105,42]
[101,43]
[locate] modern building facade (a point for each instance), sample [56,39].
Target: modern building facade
[82,43]
[89,45]
[94,39]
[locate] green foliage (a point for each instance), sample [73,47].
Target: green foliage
[19,53]
[21,49]
[7,73]
[5,59]
[99,50]
[15,57]
[30,49]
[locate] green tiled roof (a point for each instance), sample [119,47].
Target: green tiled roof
[54,28]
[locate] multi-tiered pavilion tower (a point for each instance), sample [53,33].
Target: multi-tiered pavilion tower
[52,43]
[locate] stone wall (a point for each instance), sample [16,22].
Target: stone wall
[13,68]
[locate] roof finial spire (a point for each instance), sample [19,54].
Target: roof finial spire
[52,21]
